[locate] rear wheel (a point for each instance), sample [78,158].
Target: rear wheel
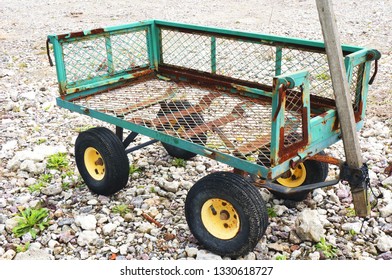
[183,123]
[305,173]
[226,214]
[101,160]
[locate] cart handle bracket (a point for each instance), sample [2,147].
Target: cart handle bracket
[355,176]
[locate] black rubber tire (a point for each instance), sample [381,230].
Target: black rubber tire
[187,122]
[245,199]
[316,172]
[111,150]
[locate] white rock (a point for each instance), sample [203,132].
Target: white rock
[387,181]
[10,145]
[356,227]
[314,256]
[87,237]
[11,223]
[200,168]
[280,209]
[171,186]
[109,229]
[87,222]
[8,255]
[2,251]
[251,256]
[384,243]
[92,202]
[124,249]
[34,254]
[83,255]
[205,255]
[319,192]
[3,202]
[30,95]
[387,195]
[386,211]
[191,251]
[29,166]
[309,226]
[145,227]
[52,243]
[52,190]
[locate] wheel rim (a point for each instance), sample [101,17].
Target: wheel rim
[294,178]
[95,164]
[220,218]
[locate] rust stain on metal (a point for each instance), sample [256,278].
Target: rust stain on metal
[144,104]
[326,159]
[254,145]
[79,34]
[97,31]
[282,95]
[207,79]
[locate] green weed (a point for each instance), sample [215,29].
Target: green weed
[83,128]
[271,212]
[350,212]
[23,248]
[179,162]
[280,258]
[133,168]
[32,221]
[121,209]
[36,187]
[47,178]
[40,141]
[328,250]
[57,161]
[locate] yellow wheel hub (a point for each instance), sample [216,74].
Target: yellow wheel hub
[294,177]
[94,163]
[220,218]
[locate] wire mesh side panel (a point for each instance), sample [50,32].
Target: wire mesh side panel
[293,130]
[129,50]
[316,63]
[85,59]
[186,50]
[356,86]
[102,56]
[246,61]
[231,124]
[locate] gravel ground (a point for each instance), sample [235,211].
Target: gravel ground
[86,226]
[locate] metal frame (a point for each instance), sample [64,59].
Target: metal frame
[318,130]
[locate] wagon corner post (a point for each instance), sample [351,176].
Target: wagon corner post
[343,104]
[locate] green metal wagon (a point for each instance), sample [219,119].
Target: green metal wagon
[261,104]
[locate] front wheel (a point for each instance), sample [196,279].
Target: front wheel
[101,160]
[226,214]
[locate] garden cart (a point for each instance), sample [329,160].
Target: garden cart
[261,104]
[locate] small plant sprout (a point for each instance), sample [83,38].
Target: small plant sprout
[179,162]
[350,212]
[23,248]
[32,221]
[133,168]
[47,178]
[121,209]
[328,250]
[37,186]
[57,161]
[271,212]
[280,258]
